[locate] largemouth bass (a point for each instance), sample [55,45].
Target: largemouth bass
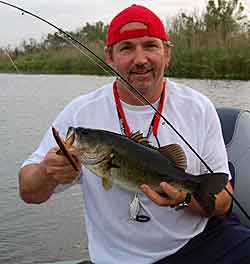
[131,161]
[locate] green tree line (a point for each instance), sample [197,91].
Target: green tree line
[214,44]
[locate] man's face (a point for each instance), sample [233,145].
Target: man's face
[141,61]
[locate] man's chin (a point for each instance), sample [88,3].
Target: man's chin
[141,84]
[143,89]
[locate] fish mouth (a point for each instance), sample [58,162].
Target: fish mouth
[70,136]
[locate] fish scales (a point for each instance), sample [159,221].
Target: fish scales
[124,161]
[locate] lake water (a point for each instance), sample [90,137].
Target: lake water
[28,104]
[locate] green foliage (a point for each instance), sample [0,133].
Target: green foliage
[214,63]
[212,45]
[223,17]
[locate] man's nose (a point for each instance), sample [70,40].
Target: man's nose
[140,56]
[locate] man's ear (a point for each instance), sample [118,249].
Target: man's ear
[108,55]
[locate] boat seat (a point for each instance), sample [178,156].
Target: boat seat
[236,133]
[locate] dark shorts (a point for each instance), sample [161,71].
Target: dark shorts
[224,241]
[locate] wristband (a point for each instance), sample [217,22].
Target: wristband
[183,204]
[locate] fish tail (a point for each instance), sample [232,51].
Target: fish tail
[206,201]
[212,183]
[209,185]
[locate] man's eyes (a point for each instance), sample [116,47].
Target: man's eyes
[124,48]
[150,45]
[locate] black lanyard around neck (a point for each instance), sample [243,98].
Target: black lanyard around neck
[153,128]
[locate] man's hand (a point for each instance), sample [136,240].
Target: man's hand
[58,167]
[174,196]
[37,182]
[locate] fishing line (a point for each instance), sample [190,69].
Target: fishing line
[133,90]
[85,54]
[96,63]
[11,60]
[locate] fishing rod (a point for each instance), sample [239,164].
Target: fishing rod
[132,89]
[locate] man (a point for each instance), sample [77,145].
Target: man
[138,48]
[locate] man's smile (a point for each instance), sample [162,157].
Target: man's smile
[141,72]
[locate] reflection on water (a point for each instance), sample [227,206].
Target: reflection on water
[28,104]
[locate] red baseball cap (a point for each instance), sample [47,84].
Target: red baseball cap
[135,13]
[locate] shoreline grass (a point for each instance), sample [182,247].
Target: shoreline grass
[213,63]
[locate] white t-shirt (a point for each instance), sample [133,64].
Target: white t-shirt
[113,238]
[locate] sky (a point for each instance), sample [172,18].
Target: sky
[72,14]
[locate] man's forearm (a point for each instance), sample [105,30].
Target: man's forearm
[34,184]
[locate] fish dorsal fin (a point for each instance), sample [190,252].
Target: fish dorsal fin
[139,138]
[176,153]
